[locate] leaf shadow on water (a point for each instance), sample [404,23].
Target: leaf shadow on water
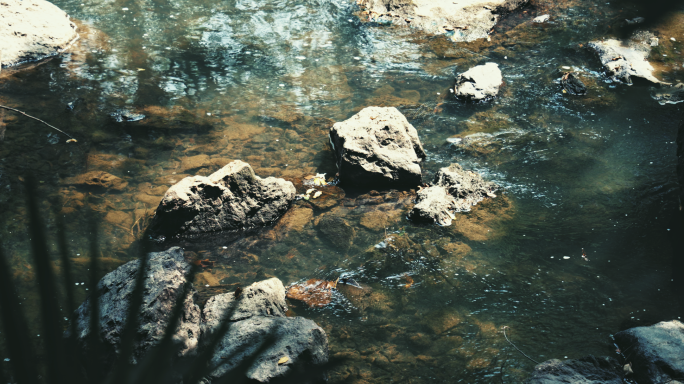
[62,359]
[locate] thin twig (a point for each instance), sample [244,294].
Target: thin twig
[518,349]
[35,118]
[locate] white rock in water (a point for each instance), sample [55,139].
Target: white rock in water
[541,19]
[479,83]
[33,30]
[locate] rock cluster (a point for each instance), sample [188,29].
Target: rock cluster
[232,198]
[453,190]
[32,30]
[259,314]
[377,147]
[479,83]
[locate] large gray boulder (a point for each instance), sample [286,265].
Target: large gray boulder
[656,353]
[464,20]
[586,370]
[232,198]
[33,30]
[377,147]
[165,277]
[453,190]
[479,83]
[260,314]
[626,59]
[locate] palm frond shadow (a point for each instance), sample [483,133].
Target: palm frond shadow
[63,360]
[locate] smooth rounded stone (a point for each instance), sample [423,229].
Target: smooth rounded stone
[33,30]
[586,370]
[99,180]
[464,20]
[479,83]
[656,352]
[541,19]
[573,85]
[625,59]
[232,198]
[294,337]
[264,298]
[453,190]
[337,231]
[165,276]
[377,147]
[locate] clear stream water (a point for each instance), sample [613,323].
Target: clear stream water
[262,81]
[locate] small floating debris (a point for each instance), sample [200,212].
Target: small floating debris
[566,257]
[317,194]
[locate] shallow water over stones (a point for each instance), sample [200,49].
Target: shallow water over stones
[263,81]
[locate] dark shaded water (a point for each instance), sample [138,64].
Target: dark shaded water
[262,81]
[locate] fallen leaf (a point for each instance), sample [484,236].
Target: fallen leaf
[283,360]
[318,193]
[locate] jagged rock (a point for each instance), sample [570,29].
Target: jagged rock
[625,59]
[479,83]
[33,30]
[377,147]
[453,190]
[165,277]
[99,180]
[465,20]
[573,85]
[260,314]
[655,352]
[232,198]
[586,370]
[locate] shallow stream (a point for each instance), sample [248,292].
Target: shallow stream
[155,91]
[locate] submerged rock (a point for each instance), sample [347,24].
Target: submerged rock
[165,272]
[453,190]
[260,314]
[586,370]
[625,59]
[466,20]
[478,83]
[33,30]
[338,232]
[232,198]
[99,180]
[377,147]
[655,352]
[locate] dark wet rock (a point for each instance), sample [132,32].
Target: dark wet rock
[453,190]
[260,314]
[655,352]
[459,20]
[586,370]
[232,198]
[479,83]
[337,231]
[165,273]
[99,180]
[33,31]
[626,59]
[377,147]
[124,115]
[573,85]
